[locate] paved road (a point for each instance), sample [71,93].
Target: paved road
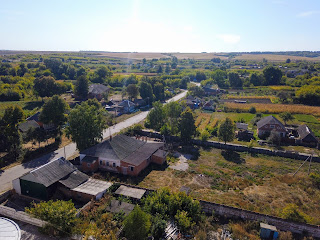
[10,174]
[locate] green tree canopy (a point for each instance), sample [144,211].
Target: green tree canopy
[286,116]
[137,224]
[158,91]
[61,214]
[173,111]
[54,110]
[86,124]
[10,137]
[146,91]
[226,130]
[156,117]
[82,87]
[45,86]
[256,79]
[235,80]
[132,91]
[272,75]
[309,95]
[187,125]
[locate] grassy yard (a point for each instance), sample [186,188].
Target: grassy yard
[259,183]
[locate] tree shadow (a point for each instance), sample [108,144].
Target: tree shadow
[32,105]
[232,156]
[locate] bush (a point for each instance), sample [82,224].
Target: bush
[252,110]
[61,214]
[292,212]
[204,135]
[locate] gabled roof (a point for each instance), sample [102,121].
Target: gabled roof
[74,179]
[127,103]
[269,120]
[304,131]
[124,148]
[208,103]
[93,187]
[98,88]
[25,126]
[34,117]
[50,173]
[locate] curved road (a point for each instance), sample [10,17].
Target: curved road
[10,174]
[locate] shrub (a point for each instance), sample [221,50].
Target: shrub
[252,110]
[204,135]
[292,212]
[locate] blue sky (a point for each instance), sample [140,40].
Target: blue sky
[160,26]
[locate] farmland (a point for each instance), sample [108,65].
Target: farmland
[276,108]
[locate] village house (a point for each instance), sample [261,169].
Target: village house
[268,124]
[25,126]
[127,106]
[211,90]
[306,136]
[97,91]
[122,154]
[35,118]
[193,103]
[59,178]
[242,132]
[209,105]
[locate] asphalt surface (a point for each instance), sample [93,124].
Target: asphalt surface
[10,174]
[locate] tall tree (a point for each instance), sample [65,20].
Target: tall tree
[10,137]
[156,117]
[235,80]
[146,91]
[226,131]
[159,91]
[186,126]
[132,91]
[82,87]
[137,224]
[272,75]
[220,76]
[86,124]
[256,79]
[53,112]
[173,111]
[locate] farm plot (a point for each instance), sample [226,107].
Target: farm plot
[205,119]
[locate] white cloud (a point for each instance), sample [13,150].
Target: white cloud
[229,38]
[307,13]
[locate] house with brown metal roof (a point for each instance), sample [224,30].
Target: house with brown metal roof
[268,124]
[122,154]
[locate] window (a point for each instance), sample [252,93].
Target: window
[113,165]
[271,126]
[131,169]
[88,164]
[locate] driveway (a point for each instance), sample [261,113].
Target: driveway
[10,174]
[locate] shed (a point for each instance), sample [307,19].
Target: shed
[135,193]
[9,230]
[268,231]
[242,126]
[306,135]
[92,188]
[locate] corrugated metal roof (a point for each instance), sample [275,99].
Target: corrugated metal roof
[25,126]
[130,192]
[50,172]
[74,179]
[93,187]
[304,131]
[9,230]
[269,120]
[142,153]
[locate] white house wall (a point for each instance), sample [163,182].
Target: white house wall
[16,185]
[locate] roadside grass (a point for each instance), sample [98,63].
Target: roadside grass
[254,182]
